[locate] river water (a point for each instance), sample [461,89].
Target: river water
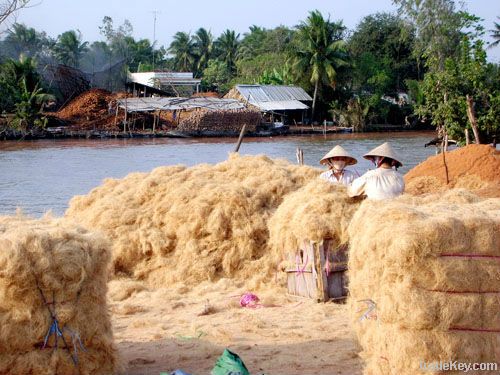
[38,176]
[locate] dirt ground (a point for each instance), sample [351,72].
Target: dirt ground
[163,330]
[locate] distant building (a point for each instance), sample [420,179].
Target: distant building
[278,103]
[163,83]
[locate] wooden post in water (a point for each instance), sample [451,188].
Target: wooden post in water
[126,117]
[300,156]
[240,138]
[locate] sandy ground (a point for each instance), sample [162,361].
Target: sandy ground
[163,330]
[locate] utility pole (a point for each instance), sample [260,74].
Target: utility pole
[155,14]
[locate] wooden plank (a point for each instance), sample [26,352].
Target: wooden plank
[301,284]
[319,264]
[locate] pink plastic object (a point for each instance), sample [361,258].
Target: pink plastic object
[249,300]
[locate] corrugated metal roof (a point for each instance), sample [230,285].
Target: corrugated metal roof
[284,105]
[172,104]
[154,79]
[269,98]
[269,93]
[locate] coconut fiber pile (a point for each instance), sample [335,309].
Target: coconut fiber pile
[220,121]
[315,212]
[53,312]
[179,224]
[474,167]
[424,282]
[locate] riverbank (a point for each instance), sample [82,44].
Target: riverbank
[63,132]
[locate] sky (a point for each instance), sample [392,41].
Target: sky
[57,16]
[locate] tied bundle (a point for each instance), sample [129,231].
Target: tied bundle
[53,311]
[424,281]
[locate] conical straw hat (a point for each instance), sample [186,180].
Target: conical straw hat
[384,150]
[337,152]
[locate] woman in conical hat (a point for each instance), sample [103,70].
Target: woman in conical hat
[337,159]
[383,182]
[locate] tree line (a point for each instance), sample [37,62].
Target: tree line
[426,63]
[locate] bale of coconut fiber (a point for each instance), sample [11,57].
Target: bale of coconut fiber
[393,350]
[424,281]
[314,212]
[53,311]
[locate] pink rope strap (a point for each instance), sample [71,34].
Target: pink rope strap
[472,256]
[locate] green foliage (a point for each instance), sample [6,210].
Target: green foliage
[381,52]
[351,114]
[21,93]
[445,92]
[260,41]
[203,49]
[319,51]
[251,70]
[226,49]
[275,77]
[28,113]
[439,29]
[21,39]
[216,76]
[495,34]
[69,48]
[182,48]
[16,76]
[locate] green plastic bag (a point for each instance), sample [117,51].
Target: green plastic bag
[229,363]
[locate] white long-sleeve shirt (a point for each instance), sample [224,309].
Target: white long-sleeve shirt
[345,178]
[378,184]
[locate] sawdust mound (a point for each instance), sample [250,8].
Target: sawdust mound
[424,280]
[68,267]
[89,110]
[179,224]
[317,211]
[474,167]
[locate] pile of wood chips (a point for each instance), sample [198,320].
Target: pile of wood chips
[230,121]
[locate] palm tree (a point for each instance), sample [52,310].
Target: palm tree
[22,39]
[24,69]
[320,51]
[203,45]
[182,47]
[227,48]
[70,48]
[252,42]
[495,34]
